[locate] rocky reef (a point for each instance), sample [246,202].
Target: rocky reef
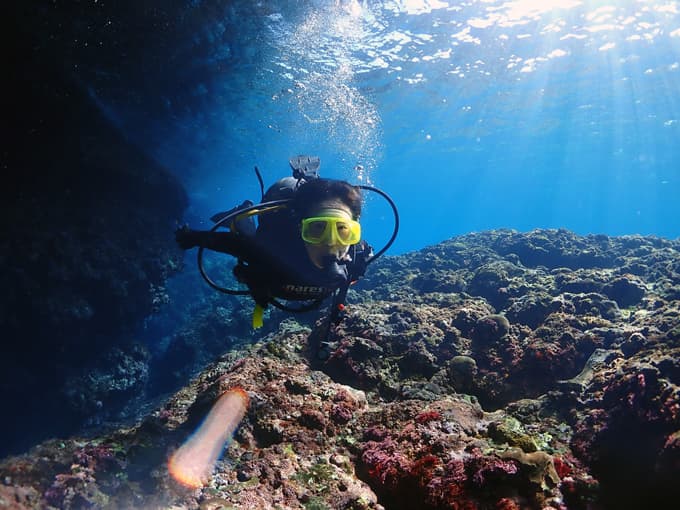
[498,370]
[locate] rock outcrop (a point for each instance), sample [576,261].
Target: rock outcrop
[483,372]
[85,253]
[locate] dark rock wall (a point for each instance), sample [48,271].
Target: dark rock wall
[86,246]
[87,217]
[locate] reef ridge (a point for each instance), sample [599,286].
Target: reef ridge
[496,370]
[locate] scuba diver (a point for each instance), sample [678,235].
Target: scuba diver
[306,246]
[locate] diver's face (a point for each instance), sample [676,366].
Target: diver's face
[318,253]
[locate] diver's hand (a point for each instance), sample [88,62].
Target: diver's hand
[186,238]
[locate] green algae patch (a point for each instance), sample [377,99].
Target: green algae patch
[509,430]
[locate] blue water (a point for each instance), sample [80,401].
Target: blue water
[472,116]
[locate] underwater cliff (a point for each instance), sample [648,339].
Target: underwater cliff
[86,252]
[496,370]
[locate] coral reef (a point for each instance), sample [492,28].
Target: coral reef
[559,390]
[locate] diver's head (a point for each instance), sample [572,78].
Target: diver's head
[328,212]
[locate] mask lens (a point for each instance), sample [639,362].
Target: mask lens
[336,230]
[314,230]
[344,231]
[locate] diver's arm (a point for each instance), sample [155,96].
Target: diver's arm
[224,242]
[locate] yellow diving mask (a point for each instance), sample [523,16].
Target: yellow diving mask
[331,230]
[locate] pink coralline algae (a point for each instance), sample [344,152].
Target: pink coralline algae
[386,466]
[646,396]
[375,433]
[343,407]
[400,469]
[473,482]
[435,458]
[562,468]
[506,504]
[485,469]
[341,413]
[669,457]
[96,457]
[427,416]
[626,433]
[64,487]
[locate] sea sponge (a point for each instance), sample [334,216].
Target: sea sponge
[538,465]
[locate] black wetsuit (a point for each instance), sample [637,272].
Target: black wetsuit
[273,262]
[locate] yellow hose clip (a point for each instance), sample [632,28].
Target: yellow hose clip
[258,314]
